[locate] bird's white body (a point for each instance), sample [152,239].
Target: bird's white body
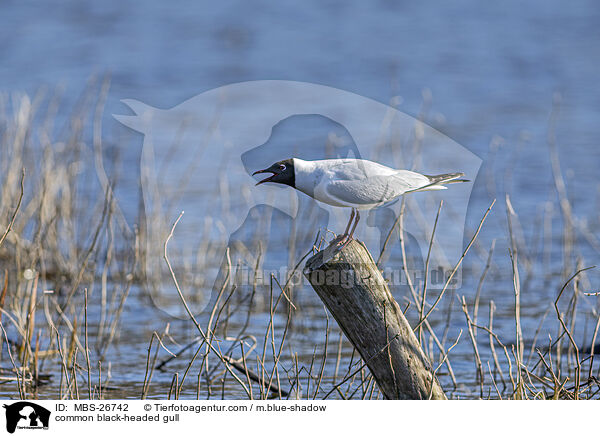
[356,183]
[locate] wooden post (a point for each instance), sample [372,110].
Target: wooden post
[354,291]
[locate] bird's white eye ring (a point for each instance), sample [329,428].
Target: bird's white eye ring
[282,167]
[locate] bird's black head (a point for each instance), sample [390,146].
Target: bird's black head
[283,172]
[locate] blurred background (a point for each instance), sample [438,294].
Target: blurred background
[488,73]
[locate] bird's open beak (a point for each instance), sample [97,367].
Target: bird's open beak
[268,179]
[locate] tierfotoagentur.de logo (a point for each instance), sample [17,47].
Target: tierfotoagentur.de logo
[244,127]
[25,415]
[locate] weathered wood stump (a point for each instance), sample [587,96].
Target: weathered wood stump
[354,291]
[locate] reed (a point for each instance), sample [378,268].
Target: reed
[72,273]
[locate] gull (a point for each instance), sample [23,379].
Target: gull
[359,184]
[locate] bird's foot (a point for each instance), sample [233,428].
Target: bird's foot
[342,240]
[338,239]
[346,242]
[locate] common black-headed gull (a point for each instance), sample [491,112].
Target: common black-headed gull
[355,183]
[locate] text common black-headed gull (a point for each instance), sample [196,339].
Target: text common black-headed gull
[355,183]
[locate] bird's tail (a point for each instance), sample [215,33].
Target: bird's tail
[436,182]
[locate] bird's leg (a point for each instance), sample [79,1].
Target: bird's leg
[355,224]
[349,222]
[343,237]
[349,237]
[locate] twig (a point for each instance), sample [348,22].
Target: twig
[449,279]
[474,343]
[87,350]
[568,332]
[14,216]
[189,312]
[424,293]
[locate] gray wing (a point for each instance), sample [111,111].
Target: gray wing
[368,191]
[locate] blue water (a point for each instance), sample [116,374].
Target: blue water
[494,73]
[492,69]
